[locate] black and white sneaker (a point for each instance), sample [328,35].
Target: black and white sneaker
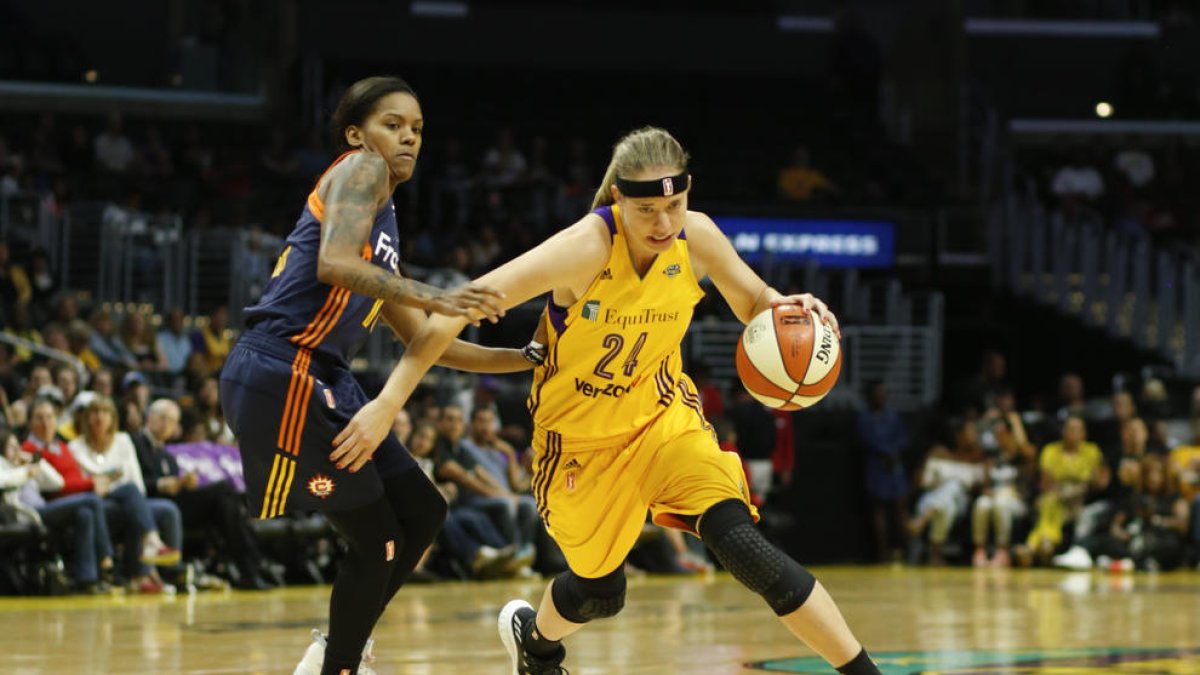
[514,622]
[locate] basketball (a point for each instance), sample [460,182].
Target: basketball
[788,360]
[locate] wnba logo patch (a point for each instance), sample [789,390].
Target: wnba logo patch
[390,550]
[668,187]
[321,486]
[329,399]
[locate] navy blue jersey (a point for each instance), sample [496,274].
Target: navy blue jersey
[296,306]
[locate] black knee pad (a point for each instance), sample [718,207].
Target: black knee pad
[729,532]
[580,600]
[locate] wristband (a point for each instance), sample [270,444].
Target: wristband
[534,352]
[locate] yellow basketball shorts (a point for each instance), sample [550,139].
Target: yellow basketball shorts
[594,500]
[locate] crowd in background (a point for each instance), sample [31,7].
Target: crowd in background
[1110,480]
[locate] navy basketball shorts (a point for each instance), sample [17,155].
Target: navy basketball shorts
[285,407]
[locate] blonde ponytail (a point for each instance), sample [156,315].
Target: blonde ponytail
[638,150]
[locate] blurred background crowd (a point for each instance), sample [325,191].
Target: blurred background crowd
[1023,371]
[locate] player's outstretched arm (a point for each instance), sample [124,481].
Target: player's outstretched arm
[358,188]
[570,259]
[460,355]
[745,291]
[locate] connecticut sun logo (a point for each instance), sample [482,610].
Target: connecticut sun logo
[321,486]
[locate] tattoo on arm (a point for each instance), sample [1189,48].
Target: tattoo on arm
[354,200]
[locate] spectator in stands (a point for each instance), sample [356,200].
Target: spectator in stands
[39,377]
[142,343]
[212,341]
[478,488]
[1008,474]
[1155,402]
[215,507]
[114,151]
[20,327]
[1004,408]
[43,286]
[1123,464]
[132,417]
[66,383]
[110,460]
[24,470]
[14,283]
[989,382]
[1077,181]
[79,338]
[1069,468]
[948,477]
[175,342]
[495,451]
[1071,397]
[402,427]
[136,389]
[802,182]
[66,309]
[105,344]
[882,432]
[102,383]
[1136,165]
[1151,526]
[468,535]
[207,404]
[1106,432]
[1184,464]
[712,399]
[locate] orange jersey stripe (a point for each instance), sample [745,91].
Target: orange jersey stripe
[301,414]
[314,326]
[341,307]
[296,402]
[299,371]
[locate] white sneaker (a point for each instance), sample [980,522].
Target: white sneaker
[1077,558]
[314,657]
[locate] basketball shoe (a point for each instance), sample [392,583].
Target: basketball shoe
[314,657]
[516,620]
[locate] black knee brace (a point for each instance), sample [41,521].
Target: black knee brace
[580,600]
[729,532]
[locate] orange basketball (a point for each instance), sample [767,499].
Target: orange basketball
[787,359]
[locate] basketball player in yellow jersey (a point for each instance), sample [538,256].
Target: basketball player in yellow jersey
[618,426]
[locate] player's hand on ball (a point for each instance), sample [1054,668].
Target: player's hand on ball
[356,443]
[813,304]
[470,300]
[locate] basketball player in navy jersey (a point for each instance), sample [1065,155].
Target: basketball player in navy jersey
[287,387]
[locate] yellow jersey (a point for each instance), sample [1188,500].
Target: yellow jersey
[612,358]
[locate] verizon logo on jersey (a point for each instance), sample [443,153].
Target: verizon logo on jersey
[384,248]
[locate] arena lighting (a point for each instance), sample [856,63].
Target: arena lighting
[90,76]
[439,9]
[1104,109]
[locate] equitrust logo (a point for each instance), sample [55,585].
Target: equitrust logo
[591,310]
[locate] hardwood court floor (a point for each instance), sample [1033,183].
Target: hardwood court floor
[917,620]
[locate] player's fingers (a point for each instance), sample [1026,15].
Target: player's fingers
[341,437]
[487,290]
[360,461]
